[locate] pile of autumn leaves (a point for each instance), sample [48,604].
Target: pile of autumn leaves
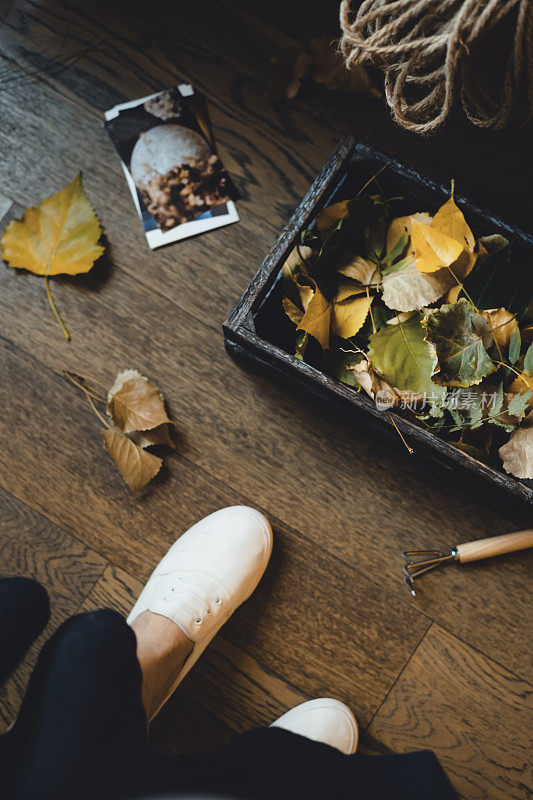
[419,314]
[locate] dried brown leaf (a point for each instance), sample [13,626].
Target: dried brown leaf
[136,466]
[517,453]
[135,403]
[375,384]
[156,436]
[502,324]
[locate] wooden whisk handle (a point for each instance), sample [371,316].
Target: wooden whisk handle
[494,546]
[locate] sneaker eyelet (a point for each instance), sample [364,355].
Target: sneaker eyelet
[198,621]
[218,601]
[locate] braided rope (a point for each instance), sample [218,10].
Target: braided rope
[426,48]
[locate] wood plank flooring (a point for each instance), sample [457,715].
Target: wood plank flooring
[451,670]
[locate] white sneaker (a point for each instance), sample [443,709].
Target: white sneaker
[323,720]
[210,570]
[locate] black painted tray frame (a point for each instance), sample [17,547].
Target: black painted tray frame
[243,343]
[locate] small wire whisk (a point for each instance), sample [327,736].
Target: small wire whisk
[418,562]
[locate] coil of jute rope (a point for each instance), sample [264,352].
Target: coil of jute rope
[434,50]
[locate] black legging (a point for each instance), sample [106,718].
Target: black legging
[81,732]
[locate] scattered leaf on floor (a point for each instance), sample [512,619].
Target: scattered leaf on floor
[135,403]
[322,62]
[60,236]
[136,465]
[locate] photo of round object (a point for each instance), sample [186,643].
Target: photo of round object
[164,147]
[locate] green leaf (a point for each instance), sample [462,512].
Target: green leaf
[476,413]
[376,237]
[503,279]
[515,343]
[462,359]
[302,337]
[528,360]
[400,353]
[497,403]
[397,250]
[493,243]
[340,367]
[518,403]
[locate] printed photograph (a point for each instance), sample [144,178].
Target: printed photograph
[167,146]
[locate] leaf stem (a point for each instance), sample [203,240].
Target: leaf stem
[461,284]
[516,372]
[54,309]
[398,431]
[373,178]
[87,394]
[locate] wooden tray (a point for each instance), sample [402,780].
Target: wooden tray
[349,167]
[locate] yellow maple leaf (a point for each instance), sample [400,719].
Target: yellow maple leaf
[60,236]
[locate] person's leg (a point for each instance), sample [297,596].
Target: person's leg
[81,731]
[278,764]
[162,649]
[24,612]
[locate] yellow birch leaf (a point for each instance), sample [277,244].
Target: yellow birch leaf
[360,269]
[136,466]
[60,236]
[294,313]
[348,317]
[295,262]
[433,248]
[347,290]
[450,220]
[453,294]
[306,293]
[401,225]
[327,220]
[317,318]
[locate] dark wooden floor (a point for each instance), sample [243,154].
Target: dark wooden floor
[450,671]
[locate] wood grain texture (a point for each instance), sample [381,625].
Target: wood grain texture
[341,656]
[332,614]
[216,426]
[227,685]
[474,714]
[32,546]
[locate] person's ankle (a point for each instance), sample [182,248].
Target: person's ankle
[162,649]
